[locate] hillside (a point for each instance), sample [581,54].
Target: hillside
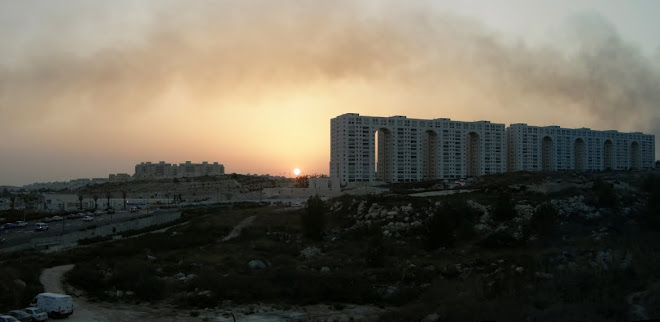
[514,247]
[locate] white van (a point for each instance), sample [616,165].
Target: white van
[40,226]
[55,305]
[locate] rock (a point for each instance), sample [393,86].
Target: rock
[310,252]
[626,262]
[256,264]
[151,258]
[179,276]
[20,284]
[433,317]
[325,269]
[481,228]
[543,275]
[520,269]
[386,233]
[205,293]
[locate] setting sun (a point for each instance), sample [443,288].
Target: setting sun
[296,171]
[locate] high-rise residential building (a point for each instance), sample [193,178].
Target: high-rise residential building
[553,148]
[399,149]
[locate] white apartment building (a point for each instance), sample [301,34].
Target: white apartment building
[553,148]
[399,149]
[148,170]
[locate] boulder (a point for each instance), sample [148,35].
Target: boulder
[256,264]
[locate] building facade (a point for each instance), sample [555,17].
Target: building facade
[160,170]
[399,149]
[553,148]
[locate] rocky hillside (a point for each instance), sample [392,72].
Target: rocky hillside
[515,247]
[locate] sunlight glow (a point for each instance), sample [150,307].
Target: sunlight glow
[296,171]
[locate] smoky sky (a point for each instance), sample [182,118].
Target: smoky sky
[430,63]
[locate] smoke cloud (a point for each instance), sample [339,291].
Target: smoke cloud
[383,58]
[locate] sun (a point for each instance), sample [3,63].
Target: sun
[296,171]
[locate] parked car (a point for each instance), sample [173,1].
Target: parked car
[21,223]
[110,210]
[7,318]
[57,218]
[47,219]
[20,315]
[38,314]
[10,225]
[98,213]
[88,218]
[135,209]
[40,226]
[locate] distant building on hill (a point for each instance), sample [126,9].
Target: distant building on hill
[162,170]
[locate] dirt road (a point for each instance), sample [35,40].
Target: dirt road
[84,311]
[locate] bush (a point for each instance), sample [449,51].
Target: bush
[606,195]
[313,218]
[453,220]
[545,220]
[375,254]
[504,208]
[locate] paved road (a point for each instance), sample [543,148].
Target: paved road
[16,236]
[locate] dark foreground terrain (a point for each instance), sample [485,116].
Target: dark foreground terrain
[514,247]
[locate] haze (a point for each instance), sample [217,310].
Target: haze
[92,88]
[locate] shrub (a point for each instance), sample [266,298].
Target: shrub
[313,218]
[375,254]
[545,220]
[451,221]
[605,193]
[504,208]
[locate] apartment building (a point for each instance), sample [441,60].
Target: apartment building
[553,148]
[399,149]
[148,170]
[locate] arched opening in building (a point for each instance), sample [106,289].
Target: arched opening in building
[579,154]
[473,155]
[430,156]
[635,162]
[608,155]
[384,154]
[547,147]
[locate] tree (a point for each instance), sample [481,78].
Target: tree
[108,195]
[313,218]
[80,199]
[123,195]
[96,202]
[12,200]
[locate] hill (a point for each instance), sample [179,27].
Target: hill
[512,247]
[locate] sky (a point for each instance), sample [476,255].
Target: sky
[90,88]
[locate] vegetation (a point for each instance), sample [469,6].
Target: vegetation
[550,264]
[313,219]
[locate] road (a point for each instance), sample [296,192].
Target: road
[22,235]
